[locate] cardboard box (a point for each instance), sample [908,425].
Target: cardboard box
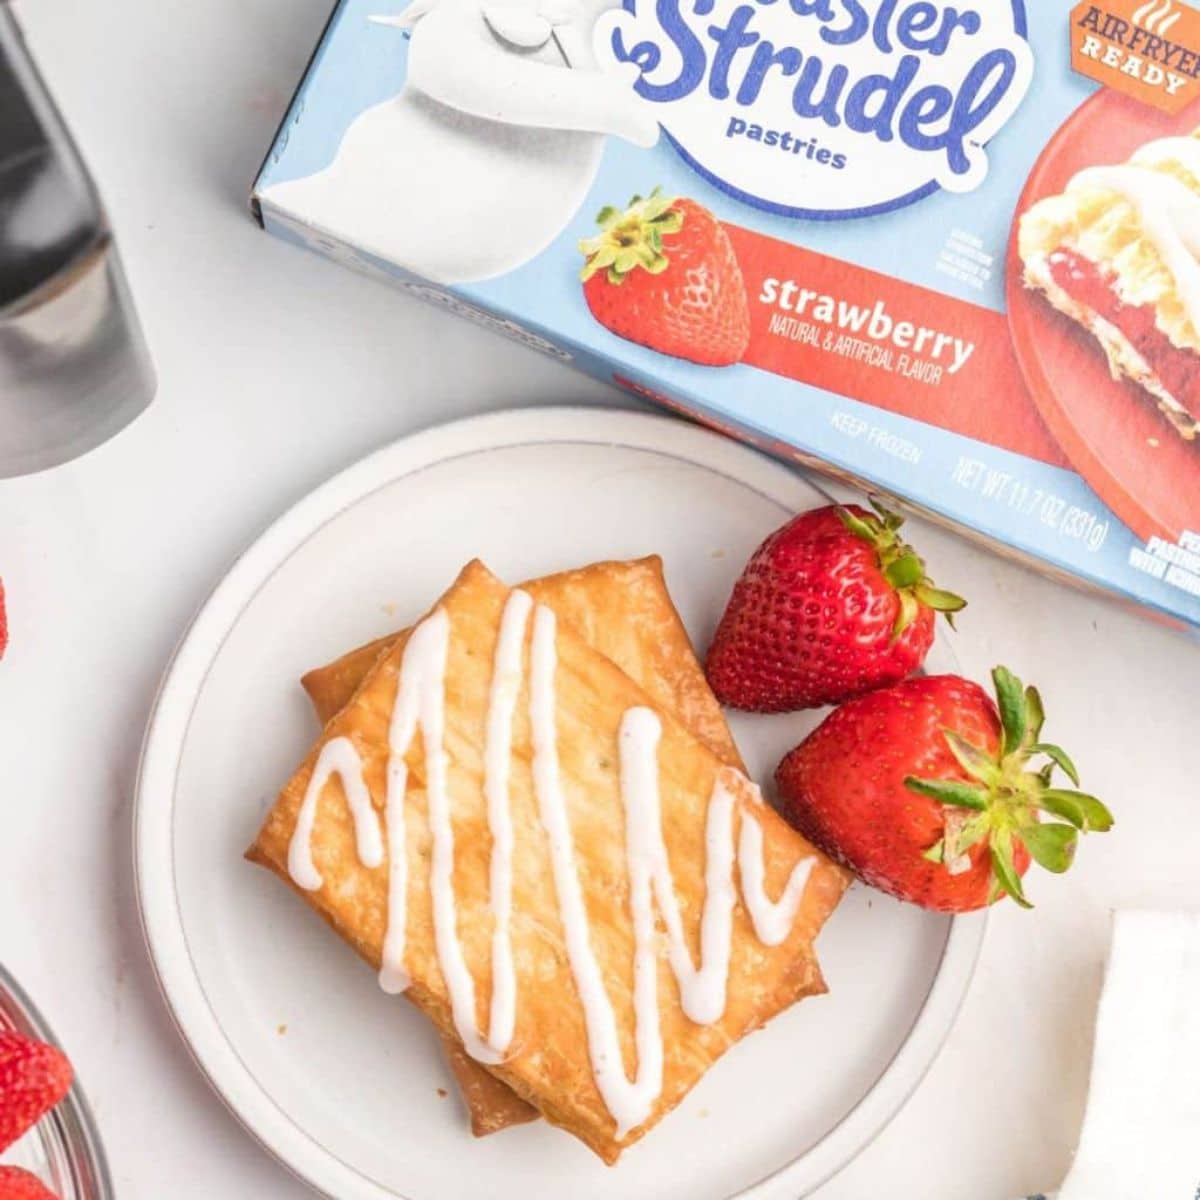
[901,241]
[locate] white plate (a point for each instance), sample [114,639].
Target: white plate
[342,1082]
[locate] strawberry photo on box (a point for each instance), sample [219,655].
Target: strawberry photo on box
[663,273]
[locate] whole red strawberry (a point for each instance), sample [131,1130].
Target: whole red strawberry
[3,622]
[16,1184]
[926,791]
[34,1077]
[663,273]
[832,605]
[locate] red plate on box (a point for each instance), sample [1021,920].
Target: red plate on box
[1111,431]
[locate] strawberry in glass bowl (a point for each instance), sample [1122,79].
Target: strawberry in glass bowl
[49,1146]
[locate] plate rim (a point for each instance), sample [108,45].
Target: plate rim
[166,731]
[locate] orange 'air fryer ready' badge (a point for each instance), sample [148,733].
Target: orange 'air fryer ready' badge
[1147,49]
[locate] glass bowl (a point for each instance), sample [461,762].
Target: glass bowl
[63,1149]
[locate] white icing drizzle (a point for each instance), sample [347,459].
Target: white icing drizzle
[702,991]
[420,703]
[1169,211]
[772,919]
[419,674]
[629,1103]
[1182,150]
[502,704]
[338,757]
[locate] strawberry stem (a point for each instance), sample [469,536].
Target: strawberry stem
[631,240]
[901,565]
[1007,794]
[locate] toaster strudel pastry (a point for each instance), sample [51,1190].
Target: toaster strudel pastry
[567,902]
[624,610]
[1119,252]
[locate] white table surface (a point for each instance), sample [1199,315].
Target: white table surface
[277,369]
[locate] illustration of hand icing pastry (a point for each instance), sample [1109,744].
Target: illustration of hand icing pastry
[490,147]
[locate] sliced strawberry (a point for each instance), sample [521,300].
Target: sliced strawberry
[18,1184]
[34,1077]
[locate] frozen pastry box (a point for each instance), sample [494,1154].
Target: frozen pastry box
[953,255]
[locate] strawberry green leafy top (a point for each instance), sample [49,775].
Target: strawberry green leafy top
[901,565]
[631,239]
[1006,795]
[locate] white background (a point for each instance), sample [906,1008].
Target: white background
[277,369]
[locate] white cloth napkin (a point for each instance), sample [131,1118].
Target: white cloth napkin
[1141,1131]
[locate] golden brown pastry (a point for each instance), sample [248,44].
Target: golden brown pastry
[624,610]
[491,1104]
[491,726]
